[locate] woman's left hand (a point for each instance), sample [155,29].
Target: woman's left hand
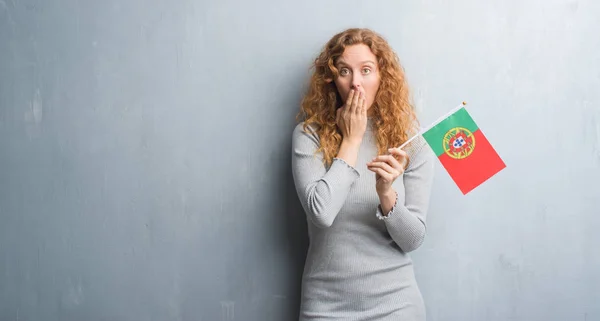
[387,168]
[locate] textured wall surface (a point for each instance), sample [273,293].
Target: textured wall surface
[145,155]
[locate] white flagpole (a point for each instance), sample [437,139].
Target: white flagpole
[433,124]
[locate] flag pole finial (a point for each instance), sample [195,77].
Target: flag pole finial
[464,103]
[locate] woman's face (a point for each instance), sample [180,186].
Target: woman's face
[358,70]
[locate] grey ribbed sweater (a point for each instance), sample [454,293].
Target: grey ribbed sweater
[357,267]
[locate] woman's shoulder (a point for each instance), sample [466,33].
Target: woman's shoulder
[304,129]
[305,132]
[418,148]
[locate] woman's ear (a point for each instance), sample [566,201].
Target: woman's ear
[328,80]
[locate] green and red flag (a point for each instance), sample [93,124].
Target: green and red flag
[463,149]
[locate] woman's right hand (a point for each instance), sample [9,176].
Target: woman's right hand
[352,117]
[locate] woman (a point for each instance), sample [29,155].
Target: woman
[365,199]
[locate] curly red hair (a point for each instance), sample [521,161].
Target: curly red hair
[393,115]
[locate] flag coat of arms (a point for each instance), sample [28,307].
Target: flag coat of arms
[463,150]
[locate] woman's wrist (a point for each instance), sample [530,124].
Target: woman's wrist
[349,151]
[387,199]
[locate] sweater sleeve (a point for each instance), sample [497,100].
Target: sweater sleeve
[406,222]
[322,191]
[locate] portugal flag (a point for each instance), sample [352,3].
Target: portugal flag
[463,150]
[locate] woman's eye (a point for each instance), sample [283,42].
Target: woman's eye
[344,71]
[366,70]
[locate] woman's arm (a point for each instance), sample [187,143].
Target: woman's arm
[405,213]
[322,192]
